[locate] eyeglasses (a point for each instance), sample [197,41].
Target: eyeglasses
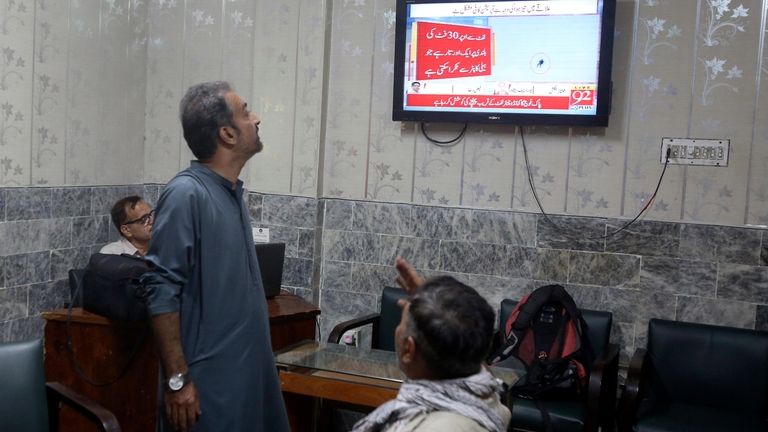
[144,220]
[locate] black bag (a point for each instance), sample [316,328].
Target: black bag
[547,333]
[111,287]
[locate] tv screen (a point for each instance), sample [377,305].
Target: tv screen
[512,61]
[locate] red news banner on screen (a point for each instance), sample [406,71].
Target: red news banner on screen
[452,51]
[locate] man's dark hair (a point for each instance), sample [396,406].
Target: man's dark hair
[452,326]
[203,111]
[118,212]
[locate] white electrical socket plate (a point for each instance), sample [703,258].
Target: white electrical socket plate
[260,235]
[695,151]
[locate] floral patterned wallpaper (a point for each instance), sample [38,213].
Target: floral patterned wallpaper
[72,88]
[89,91]
[682,68]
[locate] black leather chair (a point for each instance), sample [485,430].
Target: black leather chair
[28,403]
[697,377]
[383,323]
[596,408]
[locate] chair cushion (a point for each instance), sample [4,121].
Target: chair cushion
[565,416]
[389,317]
[709,366]
[693,418]
[23,404]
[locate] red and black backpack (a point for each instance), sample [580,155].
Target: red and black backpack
[548,335]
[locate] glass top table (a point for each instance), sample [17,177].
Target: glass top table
[367,364]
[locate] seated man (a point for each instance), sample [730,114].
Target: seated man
[133,218]
[441,342]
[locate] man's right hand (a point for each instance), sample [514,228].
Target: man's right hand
[183,407]
[407,276]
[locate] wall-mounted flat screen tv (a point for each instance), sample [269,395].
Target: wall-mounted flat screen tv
[520,62]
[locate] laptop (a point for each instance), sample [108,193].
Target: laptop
[271,257]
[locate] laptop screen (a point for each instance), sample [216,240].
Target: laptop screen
[271,257]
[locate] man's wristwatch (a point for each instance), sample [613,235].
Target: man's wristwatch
[177,382]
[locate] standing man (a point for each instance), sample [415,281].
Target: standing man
[133,218]
[206,300]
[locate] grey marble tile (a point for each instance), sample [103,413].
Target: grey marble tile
[336,275]
[71,201]
[479,258]
[646,238]
[58,232]
[338,214]
[533,263]
[677,276]
[306,246]
[742,282]
[152,193]
[21,329]
[338,306]
[634,306]
[761,321]
[716,311]
[2,204]
[90,230]
[48,296]
[422,253]
[305,293]
[371,279]
[573,233]
[623,334]
[613,270]
[721,244]
[62,260]
[2,272]
[352,246]
[256,206]
[289,210]
[39,266]
[297,272]
[13,302]
[27,203]
[382,218]
[589,296]
[495,288]
[283,234]
[441,223]
[503,227]
[16,270]
[104,197]
[14,237]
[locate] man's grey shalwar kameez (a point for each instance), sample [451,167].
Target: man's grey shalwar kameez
[207,271]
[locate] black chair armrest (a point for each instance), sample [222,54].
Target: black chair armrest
[601,391]
[341,328]
[633,391]
[59,393]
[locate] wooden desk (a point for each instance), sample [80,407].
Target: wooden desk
[102,347]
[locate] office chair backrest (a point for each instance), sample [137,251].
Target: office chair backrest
[23,403]
[709,365]
[598,323]
[389,317]
[76,287]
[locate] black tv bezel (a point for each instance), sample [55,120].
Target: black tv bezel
[604,83]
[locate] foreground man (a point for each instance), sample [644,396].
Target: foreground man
[441,342]
[209,313]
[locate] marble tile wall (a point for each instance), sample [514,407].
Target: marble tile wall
[340,253]
[700,273]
